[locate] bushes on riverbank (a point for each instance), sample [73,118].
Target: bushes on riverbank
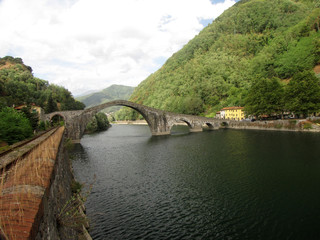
[98,123]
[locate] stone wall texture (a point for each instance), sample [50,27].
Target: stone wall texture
[34,191]
[55,198]
[276,125]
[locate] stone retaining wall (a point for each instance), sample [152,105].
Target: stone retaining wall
[276,125]
[34,191]
[55,198]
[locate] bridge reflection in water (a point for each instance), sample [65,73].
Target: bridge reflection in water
[160,122]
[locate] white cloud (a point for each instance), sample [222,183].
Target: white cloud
[91,44]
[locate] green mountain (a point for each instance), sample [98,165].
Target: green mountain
[111,93]
[18,86]
[254,39]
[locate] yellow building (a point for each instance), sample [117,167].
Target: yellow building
[33,109]
[233,113]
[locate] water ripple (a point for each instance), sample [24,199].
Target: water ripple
[212,185]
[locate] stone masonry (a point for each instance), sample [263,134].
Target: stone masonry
[160,122]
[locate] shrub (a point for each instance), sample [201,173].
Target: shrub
[42,126]
[98,123]
[76,187]
[14,126]
[92,126]
[292,122]
[102,121]
[278,125]
[307,125]
[68,144]
[316,121]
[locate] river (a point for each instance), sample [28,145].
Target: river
[223,184]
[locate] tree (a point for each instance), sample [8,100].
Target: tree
[299,57]
[302,94]
[102,120]
[32,116]
[19,86]
[265,97]
[14,126]
[99,122]
[192,105]
[51,105]
[92,126]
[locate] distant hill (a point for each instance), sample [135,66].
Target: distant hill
[85,93]
[252,40]
[111,93]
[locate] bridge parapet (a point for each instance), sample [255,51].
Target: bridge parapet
[67,115]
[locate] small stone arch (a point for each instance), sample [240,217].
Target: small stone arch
[187,122]
[180,126]
[209,125]
[224,124]
[55,115]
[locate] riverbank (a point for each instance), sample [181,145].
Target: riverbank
[136,122]
[297,125]
[141,122]
[274,125]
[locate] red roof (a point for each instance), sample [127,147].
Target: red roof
[24,105]
[20,107]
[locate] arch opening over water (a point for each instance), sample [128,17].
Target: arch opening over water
[129,120]
[186,122]
[143,110]
[209,126]
[180,128]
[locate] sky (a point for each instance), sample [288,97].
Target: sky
[86,45]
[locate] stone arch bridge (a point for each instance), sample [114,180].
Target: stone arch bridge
[160,122]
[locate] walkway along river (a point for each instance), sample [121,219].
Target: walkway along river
[224,184]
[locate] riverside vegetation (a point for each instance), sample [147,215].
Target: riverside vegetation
[259,54]
[98,123]
[18,86]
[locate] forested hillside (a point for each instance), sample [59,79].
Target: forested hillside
[114,92]
[253,40]
[19,86]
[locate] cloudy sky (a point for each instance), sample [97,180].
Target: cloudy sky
[91,44]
